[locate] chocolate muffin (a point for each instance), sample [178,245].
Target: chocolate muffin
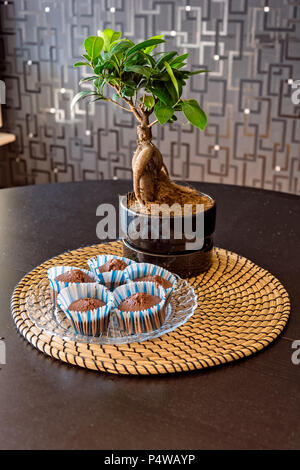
[75,275]
[158,279]
[86,304]
[139,301]
[113,265]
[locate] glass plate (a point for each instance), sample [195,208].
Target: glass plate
[53,320]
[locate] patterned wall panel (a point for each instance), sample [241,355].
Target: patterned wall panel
[251,48]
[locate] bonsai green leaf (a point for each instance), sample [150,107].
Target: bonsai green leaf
[95,61]
[172,76]
[98,60]
[179,59]
[142,84]
[130,83]
[158,53]
[146,71]
[97,99]
[148,58]
[115,37]
[98,69]
[80,96]
[109,36]
[149,101]
[179,65]
[165,57]
[163,76]
[149,49]
[143,45]
[93,46]
[88,79]
[97,82]
[139,58]
[172,92]
[119,47]
[113,81]
[162,112]
[127,91]
[194,114]
[80,64]
[112,44]
[196,72]
[108,65]
[134,59]
[162,94]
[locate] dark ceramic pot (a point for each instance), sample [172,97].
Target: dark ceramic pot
[181,244]
[185,264]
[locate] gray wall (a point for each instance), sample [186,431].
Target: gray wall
[258,55]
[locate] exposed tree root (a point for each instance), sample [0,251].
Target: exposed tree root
[151,180]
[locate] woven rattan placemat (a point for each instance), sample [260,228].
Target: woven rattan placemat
[241,309]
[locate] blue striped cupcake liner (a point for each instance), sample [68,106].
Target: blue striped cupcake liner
[137,270]
[141,321]
[111,279]
[57,286]
[90,323]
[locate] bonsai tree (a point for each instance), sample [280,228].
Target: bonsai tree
[143,82]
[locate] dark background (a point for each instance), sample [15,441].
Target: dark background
[257,54]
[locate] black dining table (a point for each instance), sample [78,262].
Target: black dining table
[248,404]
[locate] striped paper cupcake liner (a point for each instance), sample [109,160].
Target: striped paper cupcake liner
[110,279]
[136,322]
[138,270]
[90,323]
[57,286]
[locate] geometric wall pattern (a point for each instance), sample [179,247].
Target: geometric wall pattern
[251,47]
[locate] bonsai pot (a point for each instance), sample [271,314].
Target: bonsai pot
[181,243]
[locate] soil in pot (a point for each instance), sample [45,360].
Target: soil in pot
[185,198]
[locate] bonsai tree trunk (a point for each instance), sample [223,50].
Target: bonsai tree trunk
[151,181]
[147,165]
